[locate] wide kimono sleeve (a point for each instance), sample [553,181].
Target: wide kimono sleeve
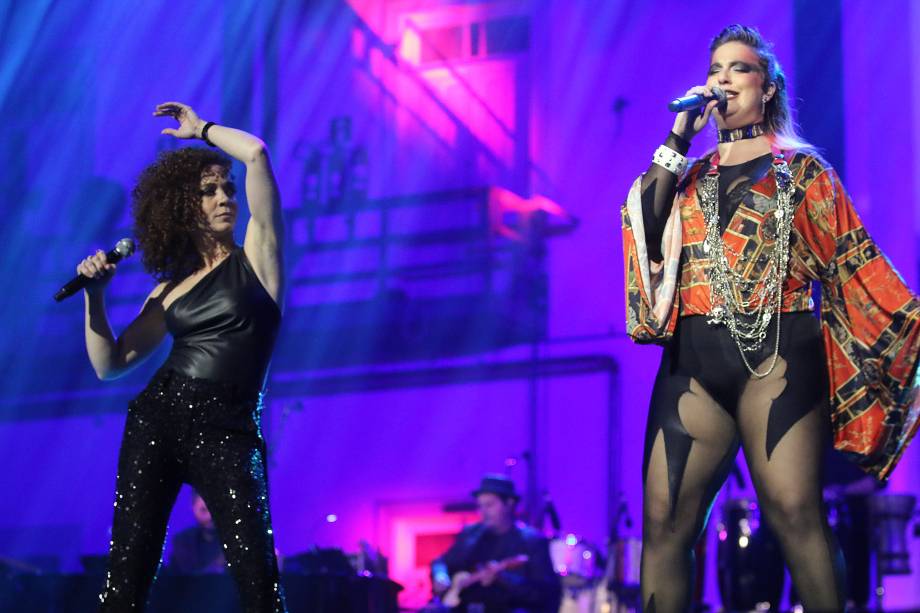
[651,287]
[870,321]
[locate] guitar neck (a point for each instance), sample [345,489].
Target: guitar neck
[463,580]
[504,565]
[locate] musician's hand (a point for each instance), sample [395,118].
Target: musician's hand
[440,584]
[490,572]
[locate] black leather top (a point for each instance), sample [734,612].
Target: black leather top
[225,327]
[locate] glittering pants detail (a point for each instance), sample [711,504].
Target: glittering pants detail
[185,430]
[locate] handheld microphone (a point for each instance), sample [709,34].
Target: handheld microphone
[678,105]
[122,249]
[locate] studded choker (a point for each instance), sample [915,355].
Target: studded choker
[729,136]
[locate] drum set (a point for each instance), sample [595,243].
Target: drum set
[751,573]
[750,566]
[749,562]
[593,584]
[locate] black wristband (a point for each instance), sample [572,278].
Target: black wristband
[204,133]
[678,143]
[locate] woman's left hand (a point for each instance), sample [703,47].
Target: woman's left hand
[189,123]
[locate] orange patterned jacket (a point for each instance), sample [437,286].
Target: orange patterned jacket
[870,320]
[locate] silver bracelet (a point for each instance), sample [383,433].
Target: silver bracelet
[670,160]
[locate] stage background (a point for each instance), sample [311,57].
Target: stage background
[559,99]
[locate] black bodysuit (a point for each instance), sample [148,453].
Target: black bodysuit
[197,422]
[224,328]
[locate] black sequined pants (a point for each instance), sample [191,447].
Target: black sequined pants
[205,433]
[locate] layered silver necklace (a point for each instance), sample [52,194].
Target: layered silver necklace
[745,305]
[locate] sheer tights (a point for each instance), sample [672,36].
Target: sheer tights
[705,405]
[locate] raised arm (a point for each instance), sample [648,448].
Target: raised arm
[264,234]
[659,184]
[112,357]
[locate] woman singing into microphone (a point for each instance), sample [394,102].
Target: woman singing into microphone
[197,421]
[720,259]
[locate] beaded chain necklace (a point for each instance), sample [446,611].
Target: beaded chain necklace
[731,293]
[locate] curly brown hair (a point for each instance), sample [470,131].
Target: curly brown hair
[167,211]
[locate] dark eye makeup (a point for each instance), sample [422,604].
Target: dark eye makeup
[210,189]
[737,66]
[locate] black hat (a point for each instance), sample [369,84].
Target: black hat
[497,484]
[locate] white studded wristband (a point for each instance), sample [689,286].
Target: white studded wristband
[670,160]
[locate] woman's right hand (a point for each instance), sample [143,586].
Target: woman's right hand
[689,123]
[97,270]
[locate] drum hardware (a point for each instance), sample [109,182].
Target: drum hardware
[749,561]
[577,562]
[619,590]
[849,520]
[890,515]
[579,566]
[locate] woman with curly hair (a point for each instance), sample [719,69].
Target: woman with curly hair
[197,421]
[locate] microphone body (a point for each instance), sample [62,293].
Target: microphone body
[693,101]
[122,249]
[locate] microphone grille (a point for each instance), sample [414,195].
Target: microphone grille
[719,93]
[125,247]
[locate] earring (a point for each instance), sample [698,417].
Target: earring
[764,99]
